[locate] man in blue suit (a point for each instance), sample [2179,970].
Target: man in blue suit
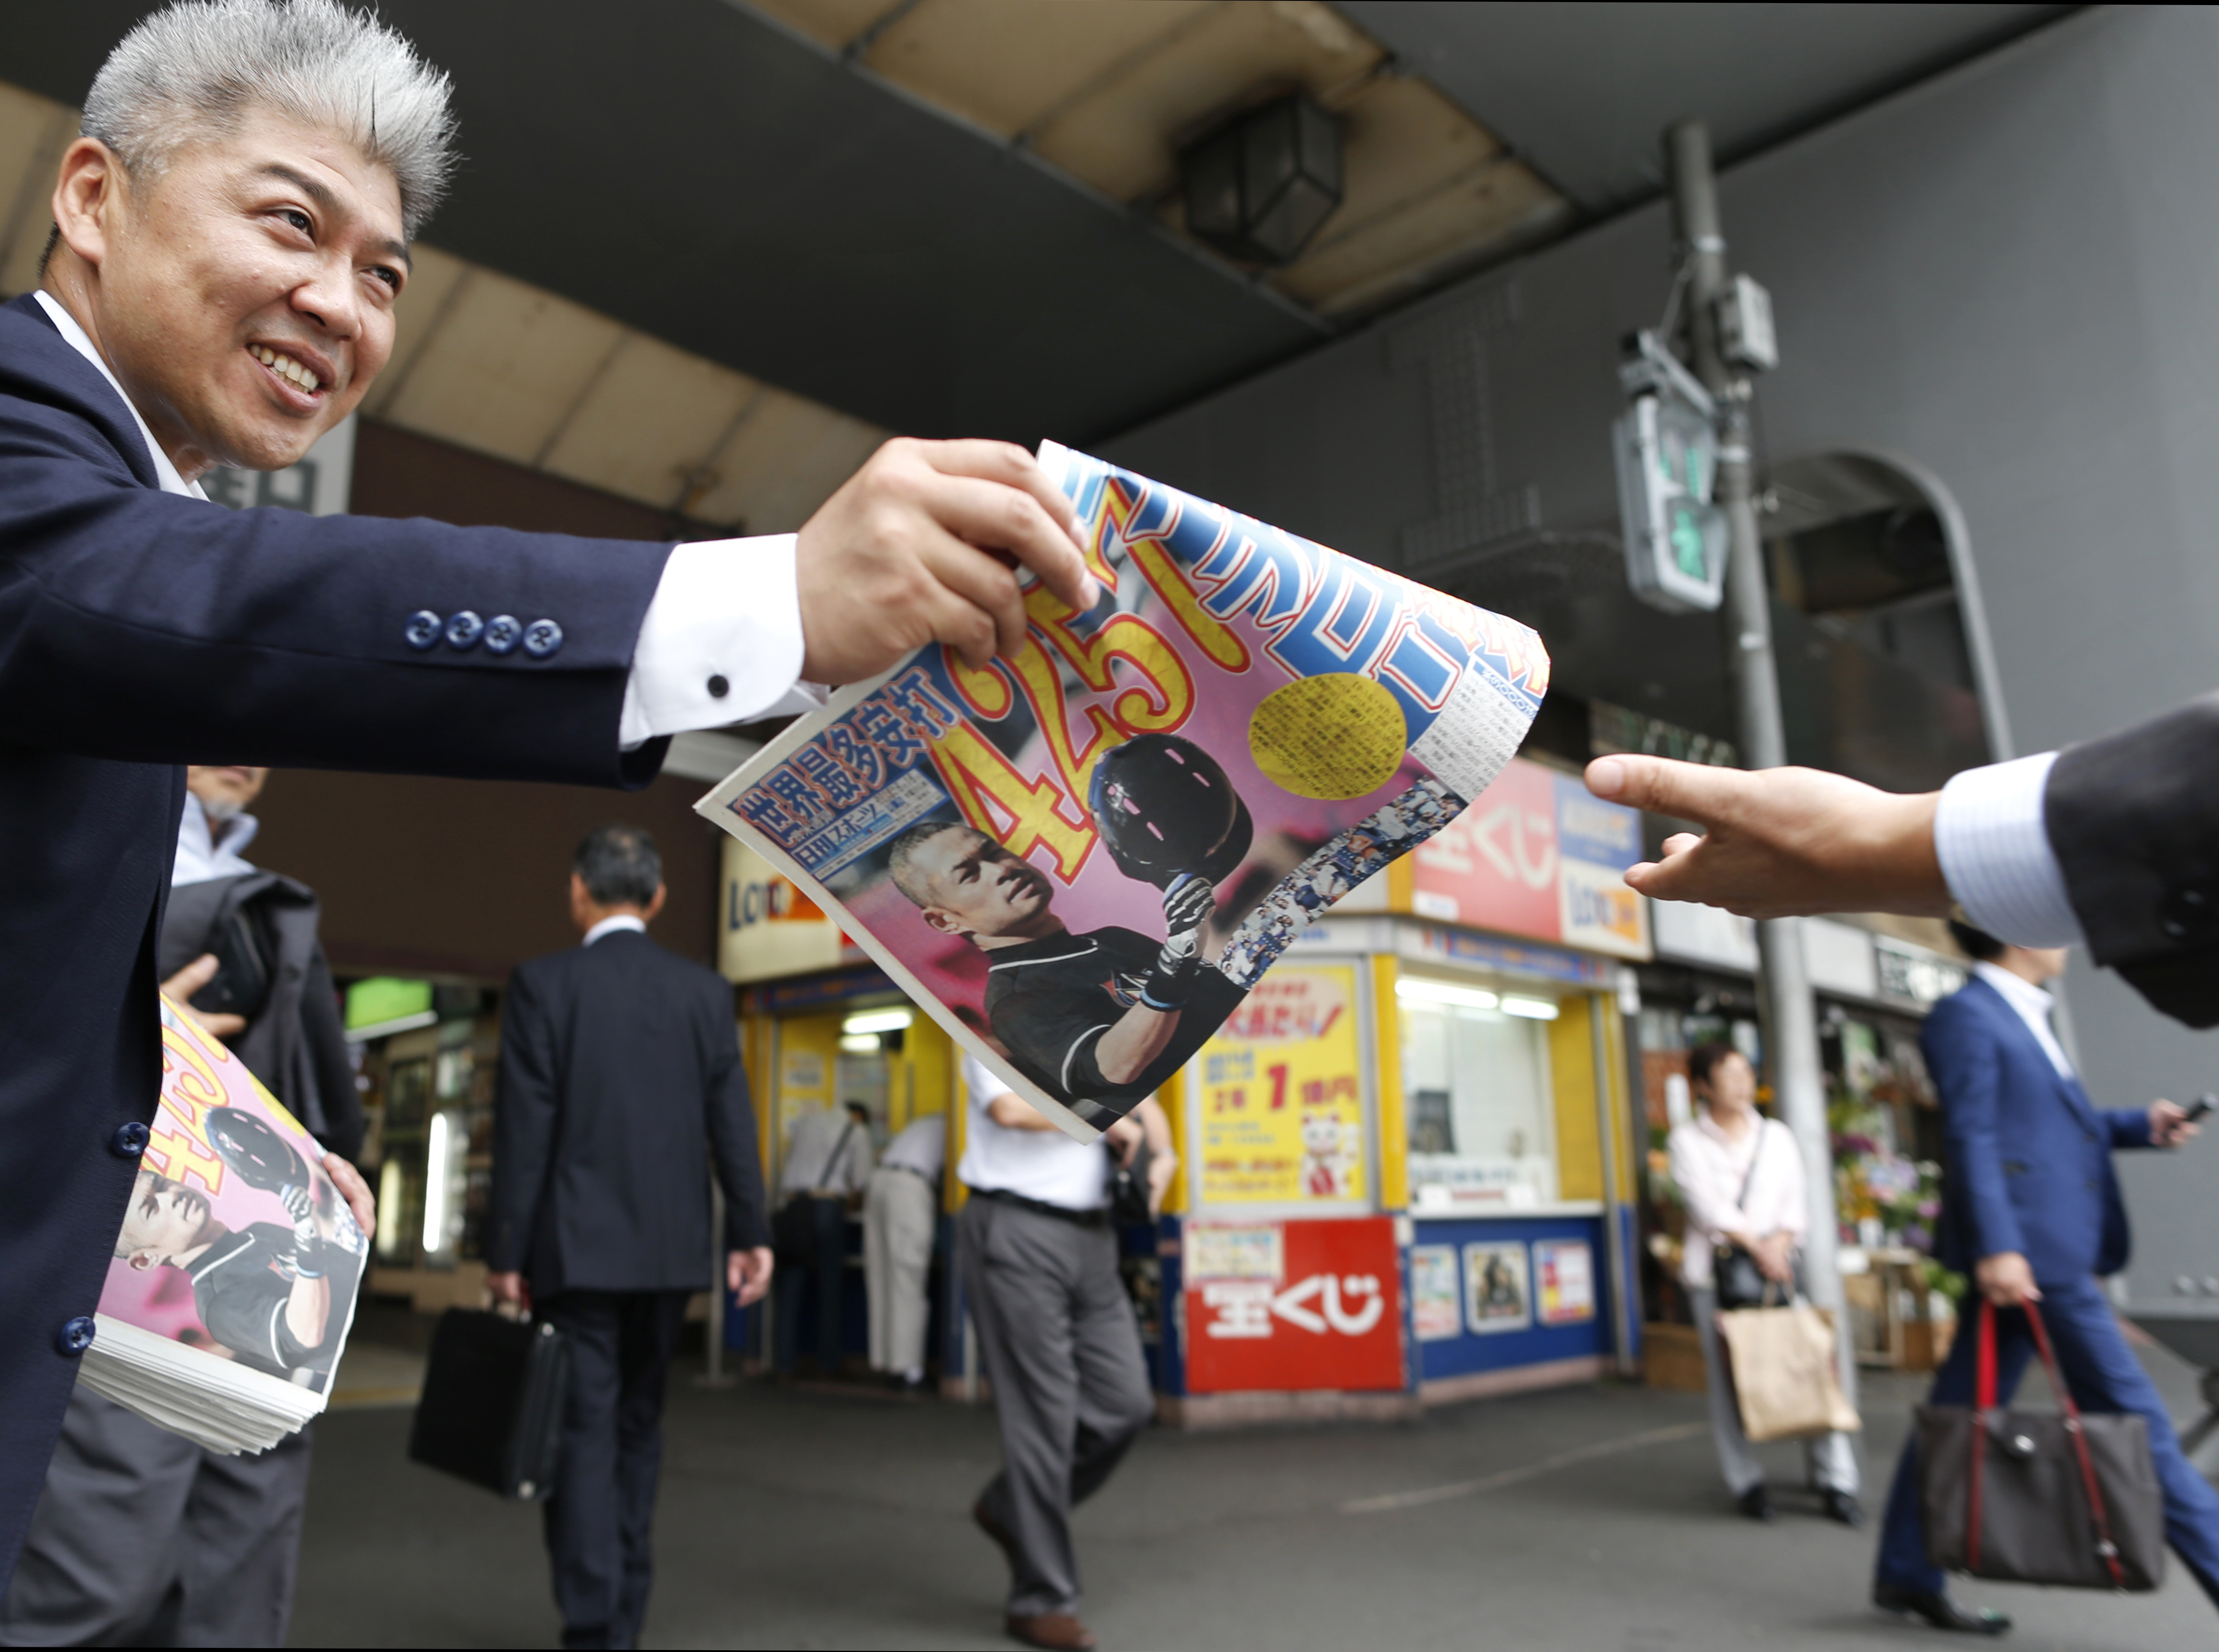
[230,234]
[2031,1210]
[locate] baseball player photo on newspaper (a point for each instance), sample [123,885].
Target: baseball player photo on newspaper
[1080,859]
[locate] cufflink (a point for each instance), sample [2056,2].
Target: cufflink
[503,633]
[463,630]
[423,629]
[542,638]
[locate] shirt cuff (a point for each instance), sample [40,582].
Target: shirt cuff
[721,643]
[1994,848]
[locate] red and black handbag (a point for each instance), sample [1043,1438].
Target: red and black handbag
[2040,1497]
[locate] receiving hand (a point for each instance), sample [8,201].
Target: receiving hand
[356,1191]
[2169,1125]
[922,546]
[1782,841]
[747,1274]
[180,988]
[2006,1280]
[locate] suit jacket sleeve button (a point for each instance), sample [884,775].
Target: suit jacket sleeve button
[129,1139]
[503,633]
[463,630]
[75,1335]
[2186,914]
[423,629]
[542,638]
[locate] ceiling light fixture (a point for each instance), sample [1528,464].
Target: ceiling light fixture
[1260,186]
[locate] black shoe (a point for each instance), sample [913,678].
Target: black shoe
[1939,1609]
[1840,1506]
[1755,1504]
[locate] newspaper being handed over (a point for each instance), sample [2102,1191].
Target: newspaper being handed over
[1080,859]
[234,1282]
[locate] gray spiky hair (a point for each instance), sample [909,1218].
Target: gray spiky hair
[200,65]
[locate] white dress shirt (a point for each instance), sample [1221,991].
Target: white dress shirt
[203,852]
[726,613]
[922,1147]
[609,925]
[808,1167]
[1990,836]
[1709,1168]
[1043,1164]
[2033,1005]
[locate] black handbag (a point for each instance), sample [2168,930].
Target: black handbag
[793,1224]
[1128,1188]
[2040,1497]
[492,1406]
[1736,1279]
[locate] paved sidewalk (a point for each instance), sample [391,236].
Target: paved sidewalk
[1588,1519]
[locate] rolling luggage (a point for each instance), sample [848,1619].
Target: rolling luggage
[492,1408]
[2040,1497]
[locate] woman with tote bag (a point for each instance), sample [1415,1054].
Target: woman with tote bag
[1740,1177]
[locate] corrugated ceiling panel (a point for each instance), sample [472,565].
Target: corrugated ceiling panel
[1006,63]
[433,276]
[828,22]
[505,364]
[785,460]
[33,132]
[650,424]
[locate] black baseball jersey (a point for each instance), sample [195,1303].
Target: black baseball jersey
[1050,1001]
[242,1284]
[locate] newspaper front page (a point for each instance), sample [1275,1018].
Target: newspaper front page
[234,1276]
[1080,861]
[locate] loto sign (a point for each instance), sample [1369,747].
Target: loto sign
[1292,1305]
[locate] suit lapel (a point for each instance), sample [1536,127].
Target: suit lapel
[2068,1089]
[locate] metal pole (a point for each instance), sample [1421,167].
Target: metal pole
[1603,1017]
[1790,1020]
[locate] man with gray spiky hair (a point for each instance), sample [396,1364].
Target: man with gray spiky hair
[231,234]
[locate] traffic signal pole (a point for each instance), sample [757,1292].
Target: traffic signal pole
[1789,1018]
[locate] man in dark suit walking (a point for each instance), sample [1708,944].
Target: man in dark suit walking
[2031,1210]
[620,1090]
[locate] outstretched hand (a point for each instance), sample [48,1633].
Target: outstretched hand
[923,544]
[179,990]
[1780,842]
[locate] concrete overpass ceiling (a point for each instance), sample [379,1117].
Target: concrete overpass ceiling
[704,254]
[1581,91]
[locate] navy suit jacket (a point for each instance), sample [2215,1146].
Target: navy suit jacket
[620,1086]
[140,631]
[2029,1165]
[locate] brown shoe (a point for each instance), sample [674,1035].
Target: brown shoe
[1000,1533]
[1057,1629]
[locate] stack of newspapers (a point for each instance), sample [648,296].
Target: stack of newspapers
[234,1280]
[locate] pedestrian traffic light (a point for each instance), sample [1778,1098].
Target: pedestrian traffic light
[1667,443]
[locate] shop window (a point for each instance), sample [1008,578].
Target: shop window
[1477,1099]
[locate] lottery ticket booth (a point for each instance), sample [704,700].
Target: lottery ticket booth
[1406,1161]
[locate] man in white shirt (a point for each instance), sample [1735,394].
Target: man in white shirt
[901,1208]
[828,1164]
[1057,1333]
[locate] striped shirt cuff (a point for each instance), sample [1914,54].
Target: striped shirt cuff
[1995,853]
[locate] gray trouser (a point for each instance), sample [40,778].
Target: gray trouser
[142,1538]
[898,1220]
[1060,1345]
[1829,1460]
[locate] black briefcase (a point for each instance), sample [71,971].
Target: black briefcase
[492,1410]
[2060,1496]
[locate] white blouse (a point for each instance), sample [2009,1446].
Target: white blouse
[1709,1166]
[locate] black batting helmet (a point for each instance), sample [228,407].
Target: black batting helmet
[1164,807]
[263,1158]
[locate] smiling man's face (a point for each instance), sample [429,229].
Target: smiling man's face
[244,294]
[164,1220]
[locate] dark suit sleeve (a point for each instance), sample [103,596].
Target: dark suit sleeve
[2133,819]
[149,627]
[1962,1058]
[731,1120]
[524,1121]
[2130,1127]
